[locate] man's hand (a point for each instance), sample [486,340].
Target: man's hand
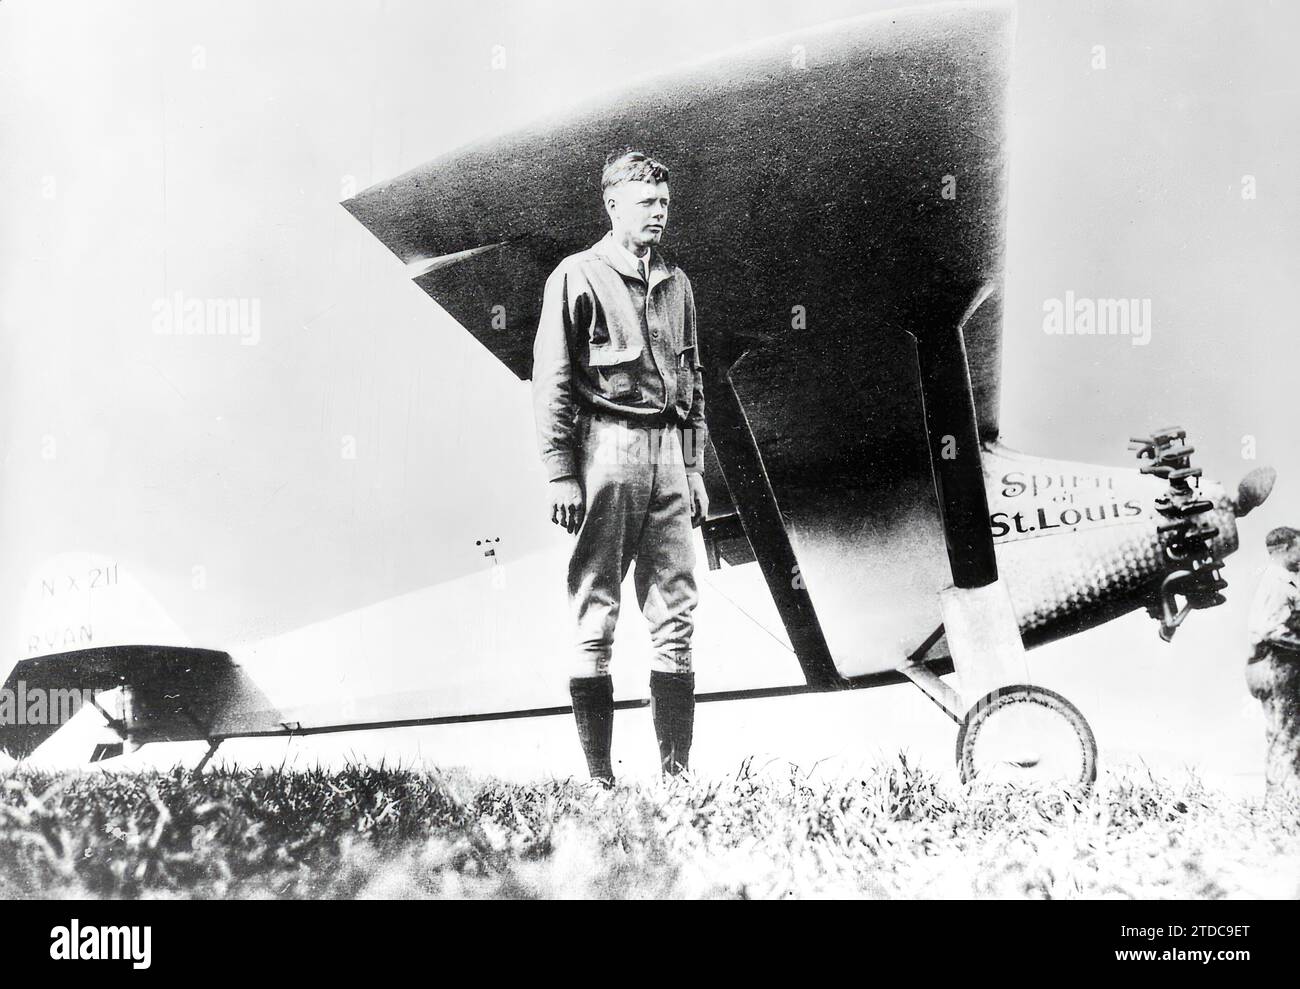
[699,499]
[567,503]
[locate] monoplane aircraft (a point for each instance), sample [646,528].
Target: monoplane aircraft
[839,205]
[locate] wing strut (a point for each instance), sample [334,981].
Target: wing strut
[978,617]
[952,428]
[760,516]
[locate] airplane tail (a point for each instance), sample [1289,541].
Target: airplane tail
[168,693]
[94,639]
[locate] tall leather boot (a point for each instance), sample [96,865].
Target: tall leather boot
[672,707]
[593,710]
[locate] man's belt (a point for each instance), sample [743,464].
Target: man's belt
[654,420]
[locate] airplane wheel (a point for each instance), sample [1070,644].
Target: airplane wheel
[1025,734]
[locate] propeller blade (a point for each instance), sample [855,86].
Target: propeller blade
[1254,489]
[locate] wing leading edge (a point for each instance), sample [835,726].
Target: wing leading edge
[816,209]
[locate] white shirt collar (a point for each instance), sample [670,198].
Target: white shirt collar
[637,262]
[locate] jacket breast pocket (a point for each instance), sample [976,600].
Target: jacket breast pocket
[614,369]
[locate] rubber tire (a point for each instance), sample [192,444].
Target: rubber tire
[1021,693]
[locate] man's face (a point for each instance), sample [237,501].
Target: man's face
[1288,557]
[1293,557]
[638,212]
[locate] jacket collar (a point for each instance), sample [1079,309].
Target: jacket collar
[617,258]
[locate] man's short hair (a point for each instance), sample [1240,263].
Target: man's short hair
[1283,537]
[631,165]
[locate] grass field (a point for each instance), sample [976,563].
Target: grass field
[382,832]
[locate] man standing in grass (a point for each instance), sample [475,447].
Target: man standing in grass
[619,402]
[1273,667]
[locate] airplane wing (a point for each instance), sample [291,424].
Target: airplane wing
[820,187]
[836,192]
